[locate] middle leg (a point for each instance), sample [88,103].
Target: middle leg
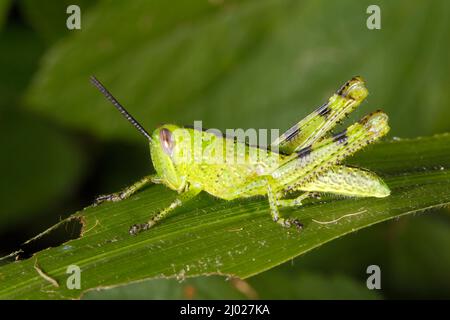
[274,202]
[296,202]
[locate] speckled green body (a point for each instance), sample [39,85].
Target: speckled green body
[219,178]
[307,160]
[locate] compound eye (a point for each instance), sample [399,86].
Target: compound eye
[167,142]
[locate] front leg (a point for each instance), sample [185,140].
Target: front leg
[127,192]
[185,196]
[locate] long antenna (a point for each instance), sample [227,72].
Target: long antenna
[119,107]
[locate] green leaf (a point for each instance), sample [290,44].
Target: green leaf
[235,238]
[237,64]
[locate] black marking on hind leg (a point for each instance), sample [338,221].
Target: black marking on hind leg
[304,152]
[342,89]
[324,110]
[292,133]
[340,137]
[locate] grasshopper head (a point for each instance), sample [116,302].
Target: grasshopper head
[163,148]
[163,144]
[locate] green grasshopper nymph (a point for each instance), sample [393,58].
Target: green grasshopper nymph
[308,160]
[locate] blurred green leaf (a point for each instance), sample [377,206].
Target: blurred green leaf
[420,259]
[238,63]
[359,249]
[120,163]
[210,236]
[39,165]
[310,285]
[19,53]
[4,8]
[213,287]
[268,285]
[409,268]
[48,17]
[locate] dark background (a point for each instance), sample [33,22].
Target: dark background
[232,64]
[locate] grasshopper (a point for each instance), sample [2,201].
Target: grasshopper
[307,161]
